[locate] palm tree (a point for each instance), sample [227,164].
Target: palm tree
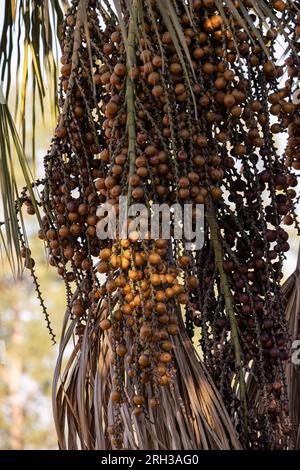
[169,102]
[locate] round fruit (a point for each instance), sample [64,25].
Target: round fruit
[121,350]
[138,400]
[115,396]
[105,324]
[165,357]
[144,360]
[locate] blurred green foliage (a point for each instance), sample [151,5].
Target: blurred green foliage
[25,379]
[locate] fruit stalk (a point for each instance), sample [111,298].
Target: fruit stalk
[218,252]
[76,46]
[130,94]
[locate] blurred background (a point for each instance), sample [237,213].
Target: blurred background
[27,368]
[25,377]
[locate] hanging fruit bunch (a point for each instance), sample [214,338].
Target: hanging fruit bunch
[173,103]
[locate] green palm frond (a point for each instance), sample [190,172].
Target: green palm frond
[29,50]
[8,193]
[12,154]
[29,47]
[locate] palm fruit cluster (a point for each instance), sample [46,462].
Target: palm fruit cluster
[188,115]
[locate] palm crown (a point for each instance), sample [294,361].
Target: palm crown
[168,102]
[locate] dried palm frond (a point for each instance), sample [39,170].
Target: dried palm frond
[191,414]
[291,293]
